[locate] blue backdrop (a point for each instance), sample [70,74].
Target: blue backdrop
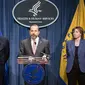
[55,33]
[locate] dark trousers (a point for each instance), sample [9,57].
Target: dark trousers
[2,68]
[75,76]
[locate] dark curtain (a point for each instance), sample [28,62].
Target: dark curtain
[55,33]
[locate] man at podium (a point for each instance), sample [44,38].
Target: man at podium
[35,46]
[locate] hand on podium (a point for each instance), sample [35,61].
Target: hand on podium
[24,59]
[44,57]
[30,58]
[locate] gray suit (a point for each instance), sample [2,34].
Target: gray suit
[26,49]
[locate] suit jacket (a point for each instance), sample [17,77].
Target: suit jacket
[4,54]
[26,49]
[4,50]
[70,48]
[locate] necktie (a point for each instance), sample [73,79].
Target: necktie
[34,47]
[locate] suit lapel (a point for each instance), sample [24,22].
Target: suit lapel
[38,46]
[30,47]
[73,47]
[80,46]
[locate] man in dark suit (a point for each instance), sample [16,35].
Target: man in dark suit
[34,46]
[4,54]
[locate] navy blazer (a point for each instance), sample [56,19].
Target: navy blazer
[70,49]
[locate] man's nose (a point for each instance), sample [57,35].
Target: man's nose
[33,32]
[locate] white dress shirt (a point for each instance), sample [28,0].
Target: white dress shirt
[36,42]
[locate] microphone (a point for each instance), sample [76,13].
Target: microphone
[35,43]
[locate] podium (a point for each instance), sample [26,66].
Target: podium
[31,60]
[33,73]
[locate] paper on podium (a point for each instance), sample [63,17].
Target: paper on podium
[29,60]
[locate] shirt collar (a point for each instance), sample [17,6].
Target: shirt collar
[36,40]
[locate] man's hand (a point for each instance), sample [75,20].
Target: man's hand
[30,58]
[44,57]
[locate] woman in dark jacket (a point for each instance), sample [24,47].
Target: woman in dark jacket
[75,49]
